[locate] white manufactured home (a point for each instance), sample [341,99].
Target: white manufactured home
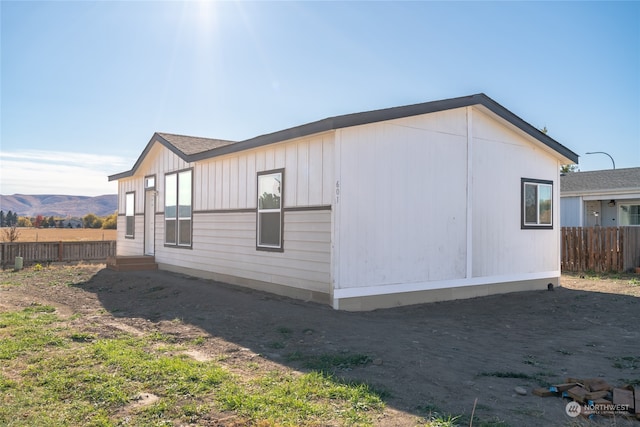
[441,200]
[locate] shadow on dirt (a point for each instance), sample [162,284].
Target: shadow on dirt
[428,357]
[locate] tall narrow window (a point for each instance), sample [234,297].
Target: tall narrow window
[537,203]
[184,208]
[269,216]
[129,212]
[177,208]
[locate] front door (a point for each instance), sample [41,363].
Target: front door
[150,222]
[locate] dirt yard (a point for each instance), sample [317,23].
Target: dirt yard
[432,358]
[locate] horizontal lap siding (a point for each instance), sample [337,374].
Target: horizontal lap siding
[127,246]
[225,243]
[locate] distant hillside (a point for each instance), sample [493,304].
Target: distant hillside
[59,206]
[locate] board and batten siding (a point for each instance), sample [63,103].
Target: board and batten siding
[224,237]
[229,182]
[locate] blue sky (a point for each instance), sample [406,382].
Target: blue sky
[85,84]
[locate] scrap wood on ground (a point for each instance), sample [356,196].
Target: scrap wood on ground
[596,396]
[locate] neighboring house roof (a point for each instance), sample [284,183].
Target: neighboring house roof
[601,181]
[193,149]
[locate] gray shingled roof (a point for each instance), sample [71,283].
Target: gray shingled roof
[602,180]
[192,149]
[190,145]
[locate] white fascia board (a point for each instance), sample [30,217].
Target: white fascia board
[365,291]
[617,196]
[624,193]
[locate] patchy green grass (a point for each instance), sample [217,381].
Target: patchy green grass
[626,362]
[629,278]
[54,375]
[437,418]
[329,362]
[294,399]
[507,374]
[58,371]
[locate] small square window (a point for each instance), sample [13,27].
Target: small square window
[537,203]
[150,182]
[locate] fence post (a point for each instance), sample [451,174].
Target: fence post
[60,251]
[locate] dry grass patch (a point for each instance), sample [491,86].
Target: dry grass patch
[64,234]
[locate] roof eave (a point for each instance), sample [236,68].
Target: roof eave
[530,130]
[356,119]
[155,138]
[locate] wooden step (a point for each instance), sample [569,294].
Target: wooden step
[132,263]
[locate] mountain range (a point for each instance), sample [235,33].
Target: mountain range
[59,205]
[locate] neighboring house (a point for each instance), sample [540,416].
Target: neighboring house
[607,198]
[442,200]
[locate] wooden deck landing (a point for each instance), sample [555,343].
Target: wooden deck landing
[132,263]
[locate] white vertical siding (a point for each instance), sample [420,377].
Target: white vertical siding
[230,181]
[401,220]
[500,159]
[291,163]
[315,181]
[302,177]
[402,205]
[243,177]
[158,161]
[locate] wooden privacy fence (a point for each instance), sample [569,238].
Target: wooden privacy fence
[600,249]
[46,252]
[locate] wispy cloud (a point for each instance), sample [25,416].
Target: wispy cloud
[52,172]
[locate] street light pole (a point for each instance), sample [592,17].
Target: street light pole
[602,152]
